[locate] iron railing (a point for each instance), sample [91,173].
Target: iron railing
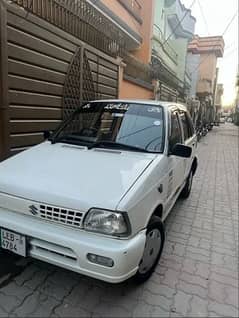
[159,37]
[162,73]
[81,19]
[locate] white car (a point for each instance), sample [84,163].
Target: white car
[94,196]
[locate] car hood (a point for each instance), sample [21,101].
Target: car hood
[72,176]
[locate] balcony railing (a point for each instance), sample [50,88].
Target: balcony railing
[134,7]
[80,19]
[159,37]
[165,75]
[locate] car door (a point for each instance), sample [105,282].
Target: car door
[189,138]
[176,164]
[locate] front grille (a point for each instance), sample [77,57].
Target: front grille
[61,215]
[51,251]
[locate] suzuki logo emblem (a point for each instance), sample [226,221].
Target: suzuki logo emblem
[33,209]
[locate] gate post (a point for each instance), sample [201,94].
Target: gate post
[4,106]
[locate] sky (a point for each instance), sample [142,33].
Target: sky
[213,16]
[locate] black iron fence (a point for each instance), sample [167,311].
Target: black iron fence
[81,19]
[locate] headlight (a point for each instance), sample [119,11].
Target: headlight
[107,222]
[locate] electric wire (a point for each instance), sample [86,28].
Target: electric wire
[203,16]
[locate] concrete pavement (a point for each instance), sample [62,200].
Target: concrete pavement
[197,274]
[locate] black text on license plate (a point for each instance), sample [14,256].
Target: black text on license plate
[13,242]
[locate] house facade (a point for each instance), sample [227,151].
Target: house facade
[173,29]
[135,18]
[56,55]
[203,53]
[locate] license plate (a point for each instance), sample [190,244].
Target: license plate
[13,242]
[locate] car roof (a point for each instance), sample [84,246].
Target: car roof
[143,102]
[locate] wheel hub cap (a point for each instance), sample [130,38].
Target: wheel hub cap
[151,251]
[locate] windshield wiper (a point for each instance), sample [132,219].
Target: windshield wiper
[115,145]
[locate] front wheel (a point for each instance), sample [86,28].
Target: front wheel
[155,237]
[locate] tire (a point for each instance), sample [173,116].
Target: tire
[155,231]
[188,186]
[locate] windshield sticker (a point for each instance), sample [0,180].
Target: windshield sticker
[154,110]
[117,115]
[87,106]
[117,107]
[157,123]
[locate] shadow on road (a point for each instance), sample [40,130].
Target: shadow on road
[9,267]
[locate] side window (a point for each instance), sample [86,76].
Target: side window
[184,125]
[176,134]
[190,124]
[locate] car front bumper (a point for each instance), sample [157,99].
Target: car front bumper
[68,247]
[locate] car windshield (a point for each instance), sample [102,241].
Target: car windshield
[129,126]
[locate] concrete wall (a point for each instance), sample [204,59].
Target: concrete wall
[181,44]
[192,64]
[146,31]
[207,73]
[161,31]
[131,90]
[159,16]
[120,11]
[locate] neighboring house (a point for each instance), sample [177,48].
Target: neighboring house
[203,53]
[173,29]
[157,68]
[135,18]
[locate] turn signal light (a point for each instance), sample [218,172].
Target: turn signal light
[101,260]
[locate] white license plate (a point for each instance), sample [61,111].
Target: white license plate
[13,242]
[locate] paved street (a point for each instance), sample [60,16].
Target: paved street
[198,271]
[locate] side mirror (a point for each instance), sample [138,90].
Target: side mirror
[180,150]
[46,134]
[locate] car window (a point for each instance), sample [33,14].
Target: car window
[187,125]
[176,133]
[184,125]
[132,124]
[190,124]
